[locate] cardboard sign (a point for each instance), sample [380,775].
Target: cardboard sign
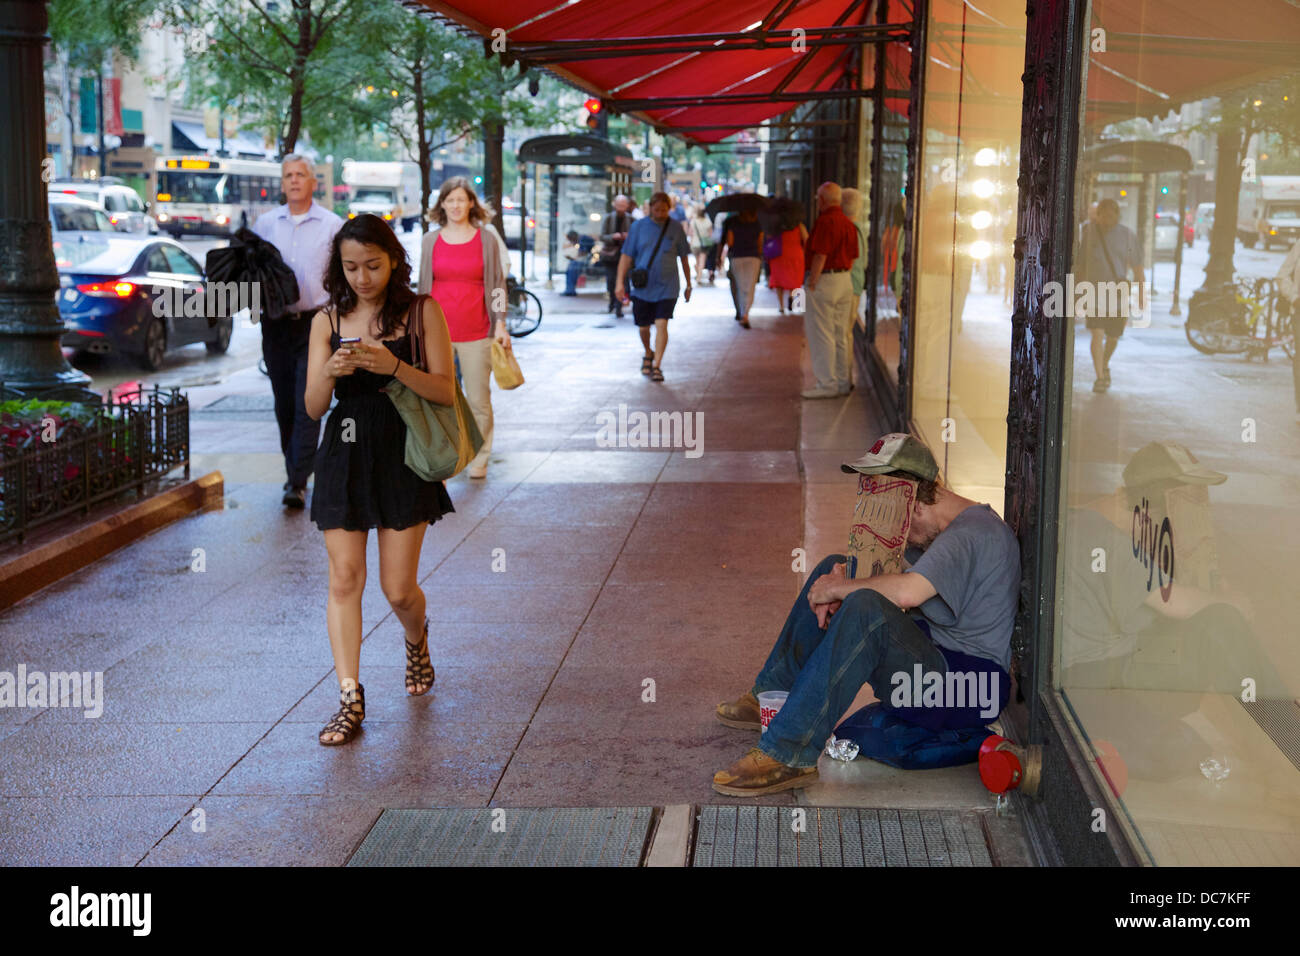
[881,519]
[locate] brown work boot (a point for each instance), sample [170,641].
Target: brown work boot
[756,773]
[741,713]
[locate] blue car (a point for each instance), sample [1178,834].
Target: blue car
[139,296]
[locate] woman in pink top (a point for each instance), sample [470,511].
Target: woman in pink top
[463,266]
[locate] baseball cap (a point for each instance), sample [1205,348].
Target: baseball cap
[1168,461]
[895,452]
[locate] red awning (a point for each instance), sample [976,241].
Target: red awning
[726,67]
[1160,53]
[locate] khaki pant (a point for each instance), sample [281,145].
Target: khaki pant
[828,326]
[476,375]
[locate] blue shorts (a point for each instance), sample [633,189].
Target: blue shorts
[645,311]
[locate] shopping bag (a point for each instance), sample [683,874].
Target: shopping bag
[441,440]
[505,367]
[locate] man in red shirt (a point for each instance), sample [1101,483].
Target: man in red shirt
[832,247]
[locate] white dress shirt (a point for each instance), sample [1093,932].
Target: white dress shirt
[305,248]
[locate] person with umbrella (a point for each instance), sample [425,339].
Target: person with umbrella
[786,268]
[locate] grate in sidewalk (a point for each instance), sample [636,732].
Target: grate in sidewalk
[838,836]
[603,836]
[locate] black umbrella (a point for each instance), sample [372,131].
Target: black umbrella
[781,215]
[736,202]
[250,258]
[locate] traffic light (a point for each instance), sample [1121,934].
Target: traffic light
[597,117]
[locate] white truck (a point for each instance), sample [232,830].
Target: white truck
[389,190]
[1268,211]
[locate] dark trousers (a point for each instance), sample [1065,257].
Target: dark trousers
[735,289]
[284,347]
[611,274]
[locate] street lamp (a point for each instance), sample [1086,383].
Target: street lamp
[30,326]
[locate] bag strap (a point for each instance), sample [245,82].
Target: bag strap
[1101,237]
[655,252]
[415,329]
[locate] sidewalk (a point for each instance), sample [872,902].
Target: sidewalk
[622,566]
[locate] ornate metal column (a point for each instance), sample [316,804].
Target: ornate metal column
[30,327]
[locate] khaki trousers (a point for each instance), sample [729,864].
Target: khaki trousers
[476,375]
[827,324]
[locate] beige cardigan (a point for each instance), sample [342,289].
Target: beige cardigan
[494,270]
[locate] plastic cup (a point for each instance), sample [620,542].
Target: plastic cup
[769,705]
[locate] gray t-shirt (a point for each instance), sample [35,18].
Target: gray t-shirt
[974,564]
[1107,256]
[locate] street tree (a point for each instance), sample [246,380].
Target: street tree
[1272,107]
[446,91]
[86,33]
[287,66]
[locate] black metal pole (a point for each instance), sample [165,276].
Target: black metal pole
[99,96]
[877,186]
[30,327]
[912,187]
[1175,309]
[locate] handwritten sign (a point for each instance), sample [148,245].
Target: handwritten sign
[882,517]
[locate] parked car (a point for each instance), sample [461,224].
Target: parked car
[1204,220]
[1166,240]
[79,229]
[125,208]
[107,300]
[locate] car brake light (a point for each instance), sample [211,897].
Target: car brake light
[69,192]
[106,289]
[113,220]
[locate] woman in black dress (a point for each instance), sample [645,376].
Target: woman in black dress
[362,481]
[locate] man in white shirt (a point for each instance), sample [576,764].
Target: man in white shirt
[303,231]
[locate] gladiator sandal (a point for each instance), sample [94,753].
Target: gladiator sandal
[347,721]
[419,669]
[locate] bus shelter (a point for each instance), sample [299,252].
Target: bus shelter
[1111,170]
[583,175]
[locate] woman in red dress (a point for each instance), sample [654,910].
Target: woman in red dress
[463,265]
[786,270]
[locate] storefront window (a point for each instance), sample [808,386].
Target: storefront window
[1176,625]
[965,237]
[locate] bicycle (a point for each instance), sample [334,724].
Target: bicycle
[1245,317]
[523,309]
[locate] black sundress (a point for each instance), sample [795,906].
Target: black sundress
[364,483]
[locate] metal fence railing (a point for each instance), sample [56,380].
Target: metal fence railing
[103,450]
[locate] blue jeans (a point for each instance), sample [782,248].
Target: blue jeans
[571,273]
[868,639]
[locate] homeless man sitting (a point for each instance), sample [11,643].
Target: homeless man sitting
[963,579]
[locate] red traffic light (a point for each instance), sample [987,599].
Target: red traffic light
[593,105]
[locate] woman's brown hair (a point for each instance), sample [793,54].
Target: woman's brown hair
[480,214]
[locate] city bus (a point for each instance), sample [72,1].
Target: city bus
[212,195]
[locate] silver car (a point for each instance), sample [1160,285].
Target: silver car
[125,208]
